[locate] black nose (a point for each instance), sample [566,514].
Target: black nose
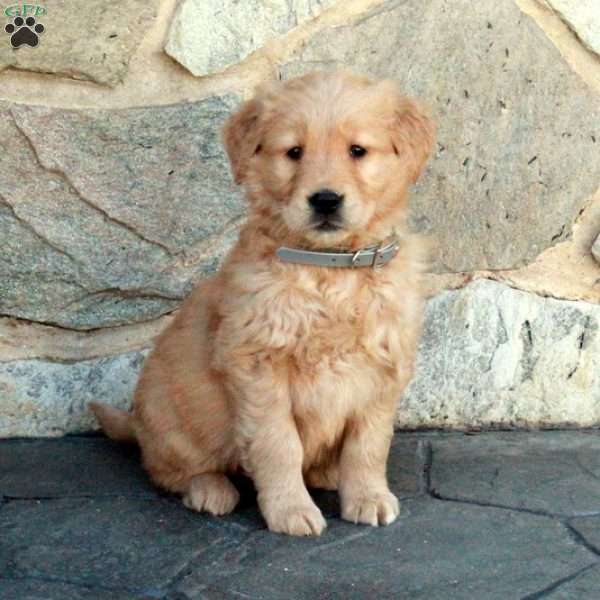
[325,202]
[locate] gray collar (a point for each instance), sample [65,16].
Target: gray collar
[373,256]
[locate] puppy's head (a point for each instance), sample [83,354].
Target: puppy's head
[329,157]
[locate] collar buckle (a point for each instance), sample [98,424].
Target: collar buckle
[356,256]
[381,250]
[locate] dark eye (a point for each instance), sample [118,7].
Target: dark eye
[295,153]
[357,151]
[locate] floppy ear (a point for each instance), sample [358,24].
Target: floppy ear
[413,132]
[241,137]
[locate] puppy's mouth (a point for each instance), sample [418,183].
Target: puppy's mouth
[327,225]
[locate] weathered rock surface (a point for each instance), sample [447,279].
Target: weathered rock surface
[499,190]
[108,217]
[207,37]
[557,474]
[93,41]
[583,17]
[42,398]
[491,355]
[21,340]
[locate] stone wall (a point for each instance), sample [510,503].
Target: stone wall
[115,195]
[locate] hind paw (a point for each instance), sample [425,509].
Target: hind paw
[212,493]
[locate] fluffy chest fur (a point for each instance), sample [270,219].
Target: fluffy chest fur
[335,340]
[319,314]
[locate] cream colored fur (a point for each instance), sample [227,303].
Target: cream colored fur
[291,373]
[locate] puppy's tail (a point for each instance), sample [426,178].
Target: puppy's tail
[117,424]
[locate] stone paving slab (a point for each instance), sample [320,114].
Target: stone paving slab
[436,550]
[44,590]
[119,543]
[556,472]
[72,466]
[80,520]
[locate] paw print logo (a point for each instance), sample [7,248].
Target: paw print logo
[24,32]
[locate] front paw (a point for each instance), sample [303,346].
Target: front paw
[377,508]
[295,519]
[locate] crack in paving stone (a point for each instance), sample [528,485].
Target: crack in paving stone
[228,565]
[575,535]
[532,511]
[585,470]
[579,538]
[424,466]
[133,496]
[187,568]
[539,512]
[557,584]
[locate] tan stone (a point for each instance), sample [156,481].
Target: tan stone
[582,60]
[566,271]
[583,17]
[596,250]
[24,340]
[154,78]
[93,40]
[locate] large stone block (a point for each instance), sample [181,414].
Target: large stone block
[495,356]
[108,217]
[490,356]
[42,398]
[519,132]
[94,40]
[583,17]
[554,473]
[210,36]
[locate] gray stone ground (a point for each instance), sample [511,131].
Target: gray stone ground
[487,516]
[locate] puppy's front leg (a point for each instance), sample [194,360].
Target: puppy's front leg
[364,492]
[273,456]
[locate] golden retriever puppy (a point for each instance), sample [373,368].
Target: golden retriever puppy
[287,365]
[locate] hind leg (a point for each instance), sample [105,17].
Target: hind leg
[212,493]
